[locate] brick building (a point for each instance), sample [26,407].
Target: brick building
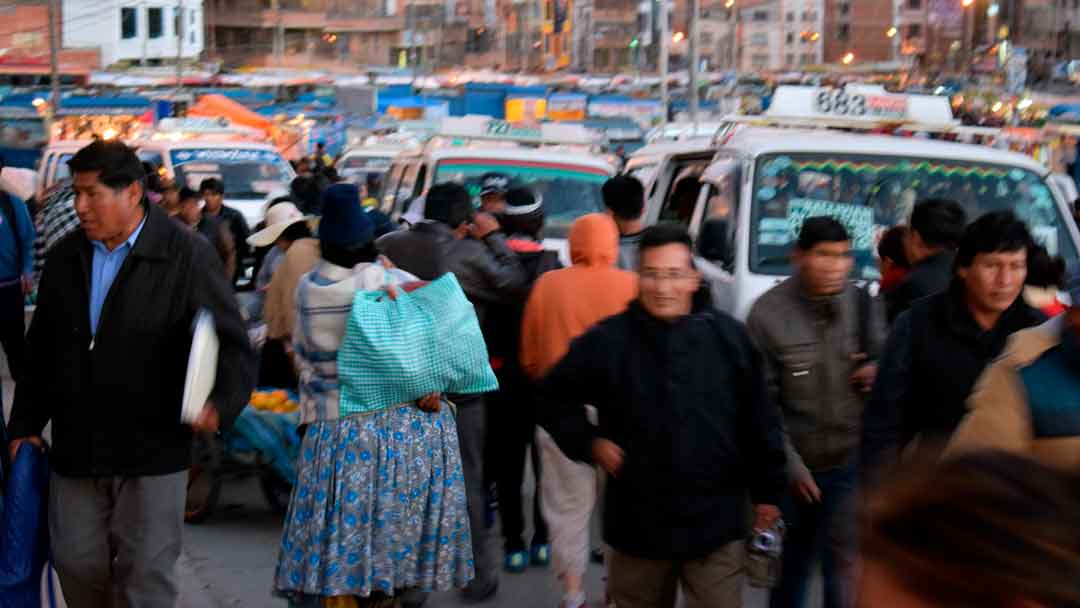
[345,34]
[858,27]
[24,38]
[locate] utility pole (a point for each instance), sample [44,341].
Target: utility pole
[695,51]
[730,4]
[279,34]
[54,60]
[179,45]
[665,41]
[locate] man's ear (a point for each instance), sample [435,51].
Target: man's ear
[135,191]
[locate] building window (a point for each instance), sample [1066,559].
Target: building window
[843,31]
[914,4]
[790,38]
[845,8]
[914,30]
[761,15]
[759,61]
[759,39]
[790,60]
[809,16]
[808,58]
[791,17]
[129,22]
[155,22]
[706,39]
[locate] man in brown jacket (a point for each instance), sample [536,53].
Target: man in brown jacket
[1028,401]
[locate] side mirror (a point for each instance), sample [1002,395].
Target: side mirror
[713,242]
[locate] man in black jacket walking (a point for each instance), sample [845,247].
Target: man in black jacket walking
[107,352]
[215,213]
[686,429]
[939,348]
[930,245]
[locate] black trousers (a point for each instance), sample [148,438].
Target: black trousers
[512,426]
[13,328]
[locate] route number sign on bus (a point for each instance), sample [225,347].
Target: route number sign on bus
[837,102]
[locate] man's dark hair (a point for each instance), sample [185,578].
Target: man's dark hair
[187,194]
[449,203]
[295,232]
[624,196]
[116,164]
[212,184]
[664,233]
[994,232]
[891,246]
[821,229]
[940,222]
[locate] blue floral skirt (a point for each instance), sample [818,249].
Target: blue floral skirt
[379,505]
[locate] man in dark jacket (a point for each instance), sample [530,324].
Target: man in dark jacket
[512,409]
[216,213]
[930,244]
[453,238]
[938,349]
[685,429]
[107,352]
[820,337]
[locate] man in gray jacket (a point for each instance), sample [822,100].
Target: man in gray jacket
[454,238]
[819,335]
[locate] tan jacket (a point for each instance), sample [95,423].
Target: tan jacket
[280,308]
[1000,415]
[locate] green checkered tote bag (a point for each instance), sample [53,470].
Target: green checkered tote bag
[396,351]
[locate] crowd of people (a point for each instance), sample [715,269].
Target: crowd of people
[920,443]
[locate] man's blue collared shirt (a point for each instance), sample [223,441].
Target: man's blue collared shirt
[106,265]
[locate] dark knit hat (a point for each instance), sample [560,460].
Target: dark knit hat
[522,201]
[344,222]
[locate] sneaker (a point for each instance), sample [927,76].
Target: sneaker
[573,601]
[541,555]
[516,562]
[475,593]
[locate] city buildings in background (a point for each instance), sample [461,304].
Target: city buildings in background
[141,32]
[24,43]
[586,36]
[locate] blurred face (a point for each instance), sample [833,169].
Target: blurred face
[824,268]
[994,280]
[190,213]
[494,204]
[668,281]
[214,201]
[106,214]
[170,201]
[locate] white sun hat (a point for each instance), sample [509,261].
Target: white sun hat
[278,218]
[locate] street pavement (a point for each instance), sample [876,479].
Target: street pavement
[229,562]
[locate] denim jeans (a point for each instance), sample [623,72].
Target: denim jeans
[823,531]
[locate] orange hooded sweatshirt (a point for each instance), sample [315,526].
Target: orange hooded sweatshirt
[566,303]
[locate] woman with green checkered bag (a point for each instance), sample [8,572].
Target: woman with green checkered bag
[379,505]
